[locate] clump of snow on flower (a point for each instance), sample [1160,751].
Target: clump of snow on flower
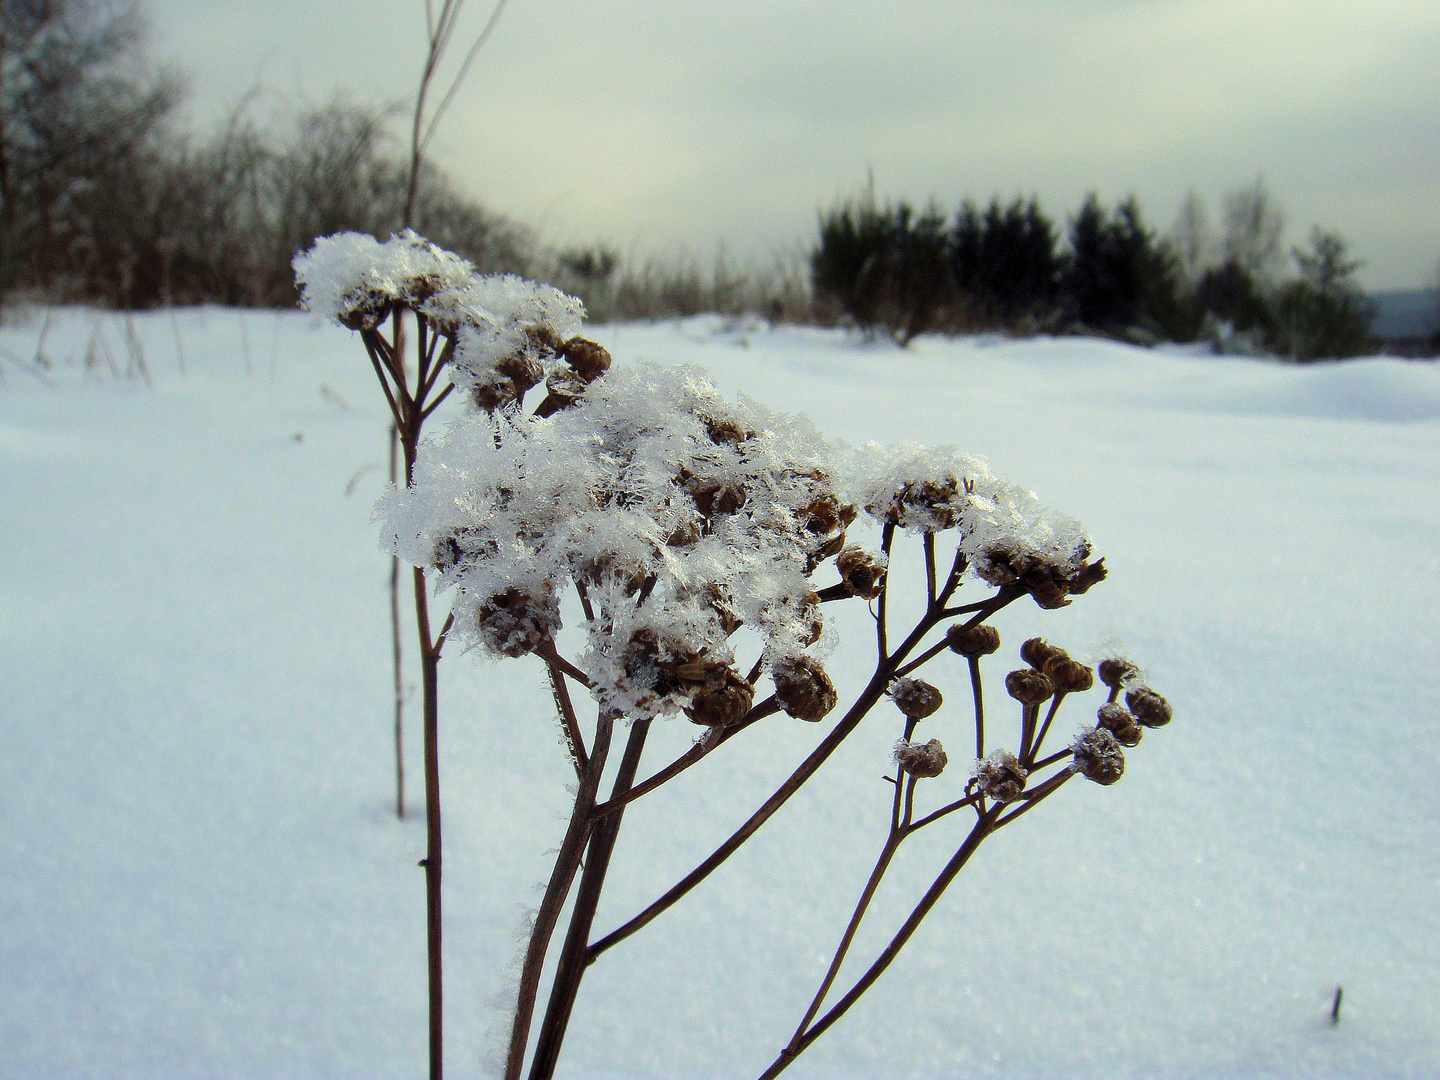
[682,516]
[357,281]
[1005,534]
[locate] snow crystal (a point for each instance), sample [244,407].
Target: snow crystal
[680,515]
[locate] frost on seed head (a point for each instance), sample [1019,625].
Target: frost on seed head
[1005,535]
[683,516]
[503,325]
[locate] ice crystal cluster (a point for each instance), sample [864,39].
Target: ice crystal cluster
[490,319]
[678,516]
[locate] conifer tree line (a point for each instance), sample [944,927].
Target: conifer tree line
[897,270]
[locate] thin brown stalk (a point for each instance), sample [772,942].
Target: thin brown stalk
[396,652]
[863,704]
[562,876]
[979,697]
[982,828]
[1045,727]
[574,956]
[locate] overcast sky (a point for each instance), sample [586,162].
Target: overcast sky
[662,125]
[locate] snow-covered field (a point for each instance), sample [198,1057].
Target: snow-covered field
[202,877]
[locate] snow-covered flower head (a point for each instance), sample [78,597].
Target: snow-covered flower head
[1005,535]
[681,516]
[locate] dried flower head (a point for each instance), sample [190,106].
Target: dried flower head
[1120,722]
[1117,673]
[921,760]
[1028,686]
[1098,756]
[517,621]
[1149,708]
[978,640]
[1068,675]
[861,573]
[588,359]
[915,698]
[1000,776]
[723,700]
[1036,651]
[802,688]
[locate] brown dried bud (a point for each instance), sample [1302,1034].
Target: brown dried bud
[923,504]
[922,761]
[725,431]
[715,497]
[522,369]
[1098,756]
[1028,686]
[1120,722]
[516,622]
[1115,672]
[861,573]
[544,341]
[589,360]
[724,701]
[915,698]
[802,689]
[979,640]
[1088,575]
[493,392]
[1069,676]
[1001,777]
[564,382]
[685,533]
[1036,651]
[1149,708]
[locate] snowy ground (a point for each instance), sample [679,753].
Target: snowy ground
[201,876]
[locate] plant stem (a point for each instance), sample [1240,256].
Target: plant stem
[979,706]
[562,876]
[872,693]
[575,956]
[396,652]
[982,828]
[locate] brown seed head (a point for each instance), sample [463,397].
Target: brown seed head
[802,689]
[544,341]
[915,698]
[1120,722]
[1069,676]
[1001,777]
[861,573]
[1149,708]
[589,359]
[724,701]
[1028,686]
[517,622]
[715,497]
[978,640]
[1098,756]
[1115,672]
[493,392]
[523,369]
[1036,651]
[922,760]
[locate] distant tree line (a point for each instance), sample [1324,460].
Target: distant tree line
[102,200]
[903,271]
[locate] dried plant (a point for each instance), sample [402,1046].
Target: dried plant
[675,518]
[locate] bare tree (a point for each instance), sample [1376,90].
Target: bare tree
[1254,231]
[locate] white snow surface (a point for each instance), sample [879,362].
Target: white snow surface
[203,875]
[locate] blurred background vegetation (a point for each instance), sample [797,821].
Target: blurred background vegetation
[104,200]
